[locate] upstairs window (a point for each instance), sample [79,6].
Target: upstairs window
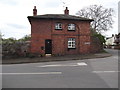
[71,42]
[58,26]
[71,27]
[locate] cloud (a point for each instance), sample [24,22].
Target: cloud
[52,4]
[16,26]
[9,2]
[13,17]
[15,31]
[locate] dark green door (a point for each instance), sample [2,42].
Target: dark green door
[48,46]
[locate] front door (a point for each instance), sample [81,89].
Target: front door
[48,46]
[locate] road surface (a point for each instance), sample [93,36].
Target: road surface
[89,73]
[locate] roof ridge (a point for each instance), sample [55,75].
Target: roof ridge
[60,16]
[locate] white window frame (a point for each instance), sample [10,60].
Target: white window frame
[71,27]
[71,43]
[58,26]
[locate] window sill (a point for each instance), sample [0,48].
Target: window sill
[71,30]
[71,48]
[58,29]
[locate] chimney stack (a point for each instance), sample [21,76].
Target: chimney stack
[112,35]
[66,11]
[34,11]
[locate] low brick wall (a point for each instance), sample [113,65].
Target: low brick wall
[96,45]
[117,47]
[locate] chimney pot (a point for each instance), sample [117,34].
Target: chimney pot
[66,11]
[112,35]
[34,7]
[34,11]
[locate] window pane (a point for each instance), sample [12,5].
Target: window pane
[58,26]
[71,26]
[69,43]
[70,39]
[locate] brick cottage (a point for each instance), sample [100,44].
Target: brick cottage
[59,34]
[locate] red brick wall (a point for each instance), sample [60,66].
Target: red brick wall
[84,44]
[44,29]
[40,30]
[58,44]
[84,37]
[96,45]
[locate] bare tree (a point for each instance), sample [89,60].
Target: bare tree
[102,17]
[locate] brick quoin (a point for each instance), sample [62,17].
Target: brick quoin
[43,28]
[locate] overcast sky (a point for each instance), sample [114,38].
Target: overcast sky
[13,13]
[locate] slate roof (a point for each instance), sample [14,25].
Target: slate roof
[59,16]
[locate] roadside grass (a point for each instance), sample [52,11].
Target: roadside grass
[103,51]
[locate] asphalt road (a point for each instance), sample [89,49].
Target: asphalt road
[91,73]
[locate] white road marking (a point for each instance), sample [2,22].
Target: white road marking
[106,71]
[56,65]
[115,57]
[40,73]
[64,65]
[82,64]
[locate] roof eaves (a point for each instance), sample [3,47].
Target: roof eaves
[59,16]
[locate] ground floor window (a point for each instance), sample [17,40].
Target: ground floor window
[71,42]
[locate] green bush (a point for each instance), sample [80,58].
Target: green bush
[100,37]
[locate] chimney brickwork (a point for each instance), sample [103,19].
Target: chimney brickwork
[34,11]
[66,11]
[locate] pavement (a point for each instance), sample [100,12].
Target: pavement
[56,58]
